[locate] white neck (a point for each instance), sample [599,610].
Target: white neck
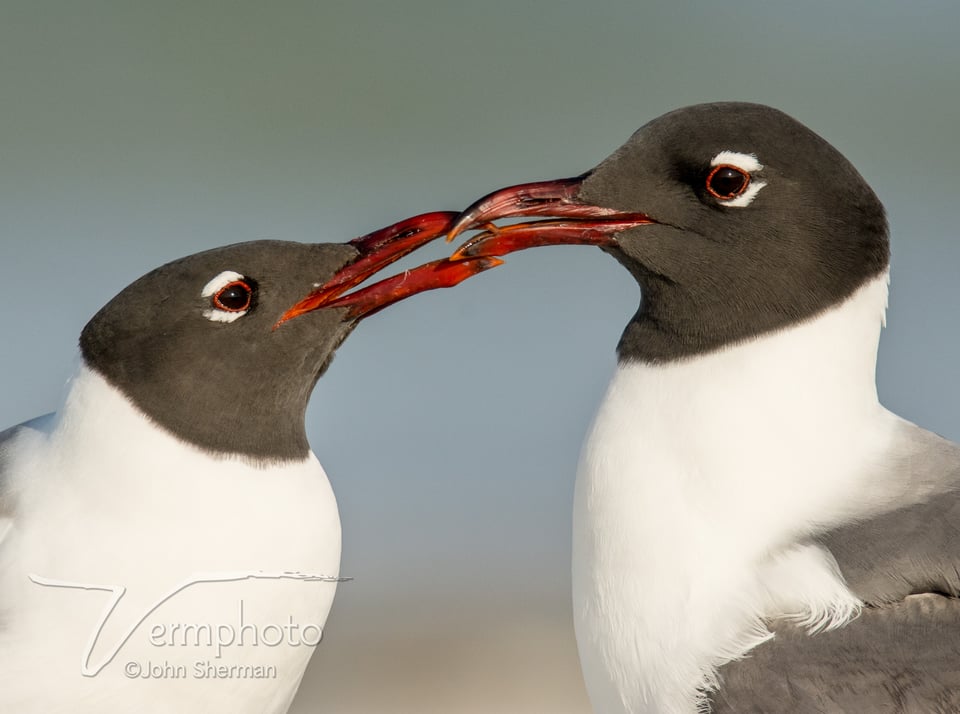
[111,501]
[695,481]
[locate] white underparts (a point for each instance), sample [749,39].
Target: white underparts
[115,515]
[697,489]
[803,583]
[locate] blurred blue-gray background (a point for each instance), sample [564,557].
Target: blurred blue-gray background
[132,133]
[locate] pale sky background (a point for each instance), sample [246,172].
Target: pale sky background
[132,133]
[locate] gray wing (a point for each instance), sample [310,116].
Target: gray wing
[902,658]
[914,548]
[903,653]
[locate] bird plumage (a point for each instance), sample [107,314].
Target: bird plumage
[747,515]
[168,540]
[105,499]
[700,484]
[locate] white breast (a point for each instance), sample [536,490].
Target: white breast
[697,483]
[109,500]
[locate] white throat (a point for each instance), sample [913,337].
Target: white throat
[696,483]
[109,499]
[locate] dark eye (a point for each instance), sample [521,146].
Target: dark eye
[726,182]
[233,297]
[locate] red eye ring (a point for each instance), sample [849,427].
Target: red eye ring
[235,296]
[727,186]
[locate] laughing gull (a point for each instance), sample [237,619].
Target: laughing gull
[752,531]
[168,541]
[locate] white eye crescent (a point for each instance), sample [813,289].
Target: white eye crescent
[230,296]
[723,183]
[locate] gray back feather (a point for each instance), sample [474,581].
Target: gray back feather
[902,654]
[898,659]
[914,548]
